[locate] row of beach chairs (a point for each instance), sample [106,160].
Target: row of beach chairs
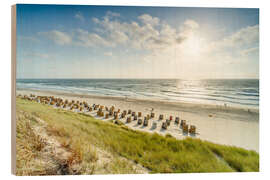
[106,112]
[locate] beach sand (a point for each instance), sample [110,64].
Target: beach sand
[223,125]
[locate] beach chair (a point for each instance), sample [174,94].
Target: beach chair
[111,113]
[168,122]
[183,122]
[107,116]
[139,121]
[185,129]
[152,115]
[161,117]
[164,125]
[145,122]
[154,125]
[123,115]
[177,120]
[128,119]
[192,129]
[139,114]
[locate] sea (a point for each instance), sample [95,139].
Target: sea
[229,92]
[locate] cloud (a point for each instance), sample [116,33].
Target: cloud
[58,37]
[148,33]
[28,38]
[191,24]
[147,19]
[88,39]
[250,51]
[79,16]
[244,37]
[109,13]
[108,54]
[37,55]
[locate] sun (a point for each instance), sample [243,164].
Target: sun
[193,45]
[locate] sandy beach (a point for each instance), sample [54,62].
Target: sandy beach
[223,125]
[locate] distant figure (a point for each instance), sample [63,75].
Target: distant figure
[225,105]
[152,109]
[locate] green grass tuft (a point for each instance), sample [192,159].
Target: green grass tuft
[157,153]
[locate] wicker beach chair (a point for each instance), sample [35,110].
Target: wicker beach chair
[128,119]
[164,125]
[177,120]
[183,122]
[192,129]
[145,122]
[168,122]
[185,129]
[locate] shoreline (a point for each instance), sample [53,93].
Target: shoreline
[218,124]
[181,104]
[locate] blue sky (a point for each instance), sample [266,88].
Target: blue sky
[57,41]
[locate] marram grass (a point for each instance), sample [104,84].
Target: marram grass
[158,154]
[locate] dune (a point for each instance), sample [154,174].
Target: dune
[223,125]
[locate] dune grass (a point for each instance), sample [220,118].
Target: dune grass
[157,153]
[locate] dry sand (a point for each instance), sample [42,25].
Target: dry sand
[223,125]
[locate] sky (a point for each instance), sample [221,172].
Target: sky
[67,41]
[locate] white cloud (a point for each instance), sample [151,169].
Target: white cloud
[150,35]
[37,55]
[87,39]
[79,16]
[58,37]
[28,38]
[109,13]
[108,54]
[244,37]
[147,19]
[191,24]
[250,51]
